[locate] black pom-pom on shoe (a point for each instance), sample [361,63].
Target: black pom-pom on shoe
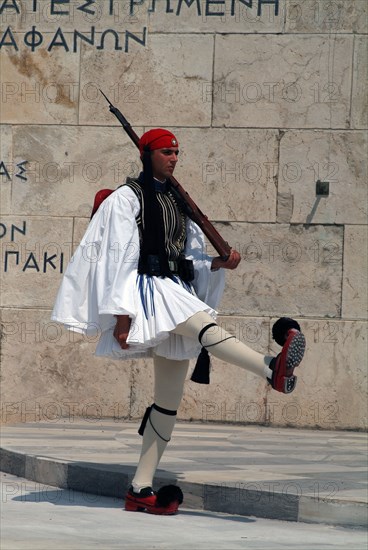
[281,328]
[168,494]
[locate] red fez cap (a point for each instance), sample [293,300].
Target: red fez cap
[158,138]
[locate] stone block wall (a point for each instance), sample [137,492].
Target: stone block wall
[267,98]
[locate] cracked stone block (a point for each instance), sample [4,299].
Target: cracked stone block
[68,165]
[335,156]
[321,16]
[286,86]
[291,270]
[49,373]
[160,72]
[80,227]
[355,280]
[331,390]
[285,207]
[7,171]
[230,173]
[34,253]
[39,87]
[359,105]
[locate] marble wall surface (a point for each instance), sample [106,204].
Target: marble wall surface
[267,98]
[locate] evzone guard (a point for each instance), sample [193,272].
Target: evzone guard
[153,292]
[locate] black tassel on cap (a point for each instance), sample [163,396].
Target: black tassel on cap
[281,327]
[201,373]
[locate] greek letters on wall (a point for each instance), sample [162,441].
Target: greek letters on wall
[20,256]
[116,12]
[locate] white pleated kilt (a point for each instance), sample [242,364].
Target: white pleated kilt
[161,304]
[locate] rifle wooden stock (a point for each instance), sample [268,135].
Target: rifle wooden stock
[194,213]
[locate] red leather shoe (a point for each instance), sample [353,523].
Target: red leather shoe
[140,502]
[282,366]
[163,503]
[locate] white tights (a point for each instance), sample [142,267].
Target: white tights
[231,350]
[169,385]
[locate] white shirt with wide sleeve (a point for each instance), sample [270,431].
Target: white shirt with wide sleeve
[102,281]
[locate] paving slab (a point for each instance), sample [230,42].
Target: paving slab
[276,473]
[35,516]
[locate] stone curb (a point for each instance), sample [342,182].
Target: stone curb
[113,481]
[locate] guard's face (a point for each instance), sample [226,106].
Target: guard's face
[164,162]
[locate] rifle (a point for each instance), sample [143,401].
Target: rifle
[194,213]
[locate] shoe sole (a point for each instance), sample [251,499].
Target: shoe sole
[134,506]
[292,355]
[161,511]
[295,351]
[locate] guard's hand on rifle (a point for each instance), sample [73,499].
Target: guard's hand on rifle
[231,263]
[121,330]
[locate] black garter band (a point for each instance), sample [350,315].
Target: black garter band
[147,416]
[201,373]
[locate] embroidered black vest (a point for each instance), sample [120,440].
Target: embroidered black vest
[172,214]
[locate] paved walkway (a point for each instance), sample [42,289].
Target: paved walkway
[286,474]
[39,517]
